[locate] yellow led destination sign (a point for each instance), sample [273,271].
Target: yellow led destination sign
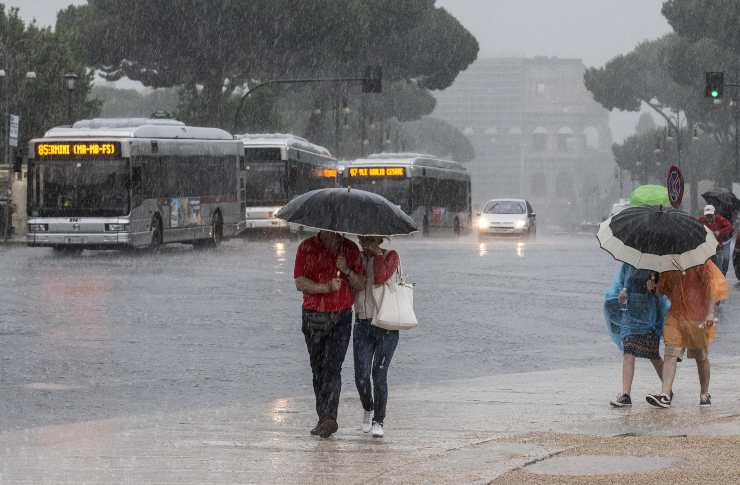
[78,149]
[377,172]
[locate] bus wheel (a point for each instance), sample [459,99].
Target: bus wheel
[215,234]
[156,230]
[456,227]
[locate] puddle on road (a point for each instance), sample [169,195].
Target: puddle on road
[49,386]
[587,465]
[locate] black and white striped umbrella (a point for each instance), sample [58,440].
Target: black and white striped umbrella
[657,238]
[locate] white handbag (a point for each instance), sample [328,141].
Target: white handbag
[394,303]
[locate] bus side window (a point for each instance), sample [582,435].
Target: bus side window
[293,183]
[136,187]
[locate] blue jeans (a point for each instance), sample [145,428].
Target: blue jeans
[373,348]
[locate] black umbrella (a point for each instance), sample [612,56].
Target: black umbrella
[349,211]
[725,202]
[657,238]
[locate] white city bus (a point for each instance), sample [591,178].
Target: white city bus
[277,168]
[434,192]
[114,183]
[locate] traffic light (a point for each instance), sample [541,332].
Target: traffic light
[372,82]
[715,85]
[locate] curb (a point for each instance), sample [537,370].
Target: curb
[13,242]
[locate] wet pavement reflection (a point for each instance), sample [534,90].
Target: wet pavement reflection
[111,334]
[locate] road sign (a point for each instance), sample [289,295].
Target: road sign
[674,184]
[15,121]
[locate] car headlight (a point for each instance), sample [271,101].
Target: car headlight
[520,224]
[116,227]
[38,227]
[482,223]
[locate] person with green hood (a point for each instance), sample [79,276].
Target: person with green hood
[634,314]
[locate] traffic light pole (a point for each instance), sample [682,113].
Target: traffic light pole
[237,115]
[715,83]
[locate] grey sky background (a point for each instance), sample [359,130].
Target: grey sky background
[592,30]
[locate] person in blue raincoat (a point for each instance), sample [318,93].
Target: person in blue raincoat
[635,317]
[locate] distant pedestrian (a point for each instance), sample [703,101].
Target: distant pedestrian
[373,346]
[723,231]
[327,269]
[690,325]
[635,317]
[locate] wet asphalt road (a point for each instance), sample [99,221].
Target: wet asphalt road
[109,334]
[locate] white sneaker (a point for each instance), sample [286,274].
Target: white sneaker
[377,430]
[367,421]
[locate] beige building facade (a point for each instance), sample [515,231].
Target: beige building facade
[537,132]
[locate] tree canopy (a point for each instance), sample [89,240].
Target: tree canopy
[698,19]
[213,48]
[41,102]
[667,75]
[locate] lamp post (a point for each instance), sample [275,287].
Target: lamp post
[70,84]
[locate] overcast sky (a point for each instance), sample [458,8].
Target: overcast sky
[592,30]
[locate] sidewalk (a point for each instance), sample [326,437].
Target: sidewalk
[472,431]
[13,241]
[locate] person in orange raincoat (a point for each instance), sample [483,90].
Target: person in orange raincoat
[690,324]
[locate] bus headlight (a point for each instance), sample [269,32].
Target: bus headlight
[520,224]
[482,223]
[38,227]
[116,227]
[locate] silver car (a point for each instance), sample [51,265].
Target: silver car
[501,217]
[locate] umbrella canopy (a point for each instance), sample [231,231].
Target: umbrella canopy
[725,202]
[657,238]
[348,211]
[649,195]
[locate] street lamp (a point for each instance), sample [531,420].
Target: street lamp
[70,83]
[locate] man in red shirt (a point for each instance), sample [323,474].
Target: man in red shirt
[327,269]
[722,229]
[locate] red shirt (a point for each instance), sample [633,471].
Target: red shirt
[721,227]
[319,264]
[384,266]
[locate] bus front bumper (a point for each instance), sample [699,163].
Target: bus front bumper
[108,239]
[265,224]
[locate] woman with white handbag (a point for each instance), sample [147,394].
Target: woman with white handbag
[373,346]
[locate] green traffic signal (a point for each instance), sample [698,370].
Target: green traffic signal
[715,82]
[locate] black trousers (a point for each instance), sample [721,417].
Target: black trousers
[326,352]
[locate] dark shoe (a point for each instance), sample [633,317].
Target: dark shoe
[622,401]
[328,427]
[705,400]
[317,428]
[659,400]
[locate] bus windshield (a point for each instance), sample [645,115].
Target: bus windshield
[81,188]
[265,184]
[394,189]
